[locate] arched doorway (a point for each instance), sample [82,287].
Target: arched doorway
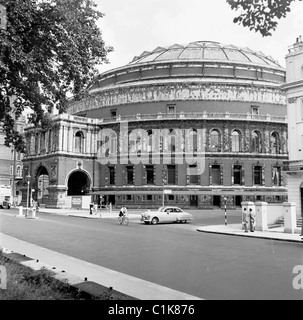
[78,184]
[42,185]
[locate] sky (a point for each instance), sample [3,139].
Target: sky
[135,26]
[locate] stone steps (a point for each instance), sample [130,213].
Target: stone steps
[280,222]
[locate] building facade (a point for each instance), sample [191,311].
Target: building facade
[193,125]
[11,166]
[294,92]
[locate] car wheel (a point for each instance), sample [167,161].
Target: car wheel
[155,220]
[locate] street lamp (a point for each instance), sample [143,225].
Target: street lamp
[225,216]
[28,178]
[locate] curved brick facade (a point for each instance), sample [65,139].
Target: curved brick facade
[234,106]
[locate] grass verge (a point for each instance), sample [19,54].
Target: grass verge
[23,283]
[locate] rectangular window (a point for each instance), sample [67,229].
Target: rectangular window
[130,175]
[111,175]
[11,170]
[113,113]
[171,108]
[258,175]
[193,178]
[254,110]
[171,174]
[276,176]
[237,172]
[149,197]
[36,143]
[42,142]
[171,197]
[216,174]
[12,154]
[129,197]
[150,175]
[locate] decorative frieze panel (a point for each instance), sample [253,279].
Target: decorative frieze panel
[215,92]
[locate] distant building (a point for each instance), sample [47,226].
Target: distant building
[11,166]
[204,98]
[294,92]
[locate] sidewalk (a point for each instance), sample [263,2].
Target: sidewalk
[236,230]
[85,213]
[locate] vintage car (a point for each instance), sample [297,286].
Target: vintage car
[166,215]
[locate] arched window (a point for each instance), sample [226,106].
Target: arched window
[256,142]
[235,141]
[79,142]
[215,140]
[172,141]
[274,143]
[18,172]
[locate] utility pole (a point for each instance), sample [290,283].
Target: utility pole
[225,215]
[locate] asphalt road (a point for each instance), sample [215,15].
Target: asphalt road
[209,266]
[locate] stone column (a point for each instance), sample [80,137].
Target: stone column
[60,142]
[70,139]
[88,141]
[261,216]
[290,219]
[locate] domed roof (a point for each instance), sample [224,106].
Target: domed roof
[206,51]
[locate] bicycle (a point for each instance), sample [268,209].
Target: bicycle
[123,220]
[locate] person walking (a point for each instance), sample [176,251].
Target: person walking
[252,219]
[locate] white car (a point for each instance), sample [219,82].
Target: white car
[165,215]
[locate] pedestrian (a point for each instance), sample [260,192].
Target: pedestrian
[252,220]
[245,219]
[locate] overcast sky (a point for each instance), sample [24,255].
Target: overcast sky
[134,26]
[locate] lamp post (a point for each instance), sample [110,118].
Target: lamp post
[225,216]
[28,178]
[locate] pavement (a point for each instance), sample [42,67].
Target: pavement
[78,272]
[236,230]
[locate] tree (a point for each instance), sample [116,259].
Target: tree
[260,15]
[49,50]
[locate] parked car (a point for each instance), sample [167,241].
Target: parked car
[166,215]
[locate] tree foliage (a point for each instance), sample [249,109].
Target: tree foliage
[49,50]
[260,15]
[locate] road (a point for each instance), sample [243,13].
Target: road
[209,266]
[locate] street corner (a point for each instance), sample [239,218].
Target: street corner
[236,230]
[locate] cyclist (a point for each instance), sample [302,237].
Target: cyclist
[123,212]
[123,216]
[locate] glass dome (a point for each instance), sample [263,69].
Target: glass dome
[205,51]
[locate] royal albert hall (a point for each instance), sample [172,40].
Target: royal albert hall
[225,99]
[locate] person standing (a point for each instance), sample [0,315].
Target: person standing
[245,219]
[252,219]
